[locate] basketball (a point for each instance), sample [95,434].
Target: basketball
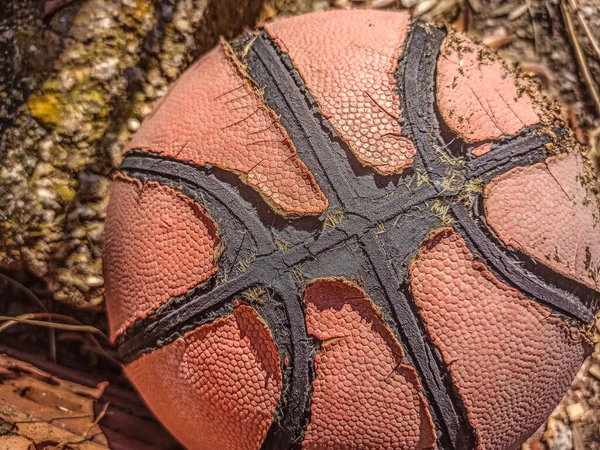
[352,230]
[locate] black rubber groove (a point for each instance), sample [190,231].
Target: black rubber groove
[524,149]
[565,296]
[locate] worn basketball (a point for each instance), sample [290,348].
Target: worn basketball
[352,230]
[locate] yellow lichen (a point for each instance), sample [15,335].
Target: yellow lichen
[65,192]
[46,108]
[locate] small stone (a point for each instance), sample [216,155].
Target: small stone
[382,4]
[341,3]
[42,169]
[85,212]
[133,124]
[517,12]
[571,77]
[558,435]
[595,371]
[67,80]
[409,3]
[177,60]
[106,69]
[575,412]
[94,281]
[182,25]
[171,72]
[48,216]
[45,195]
[145,109]
[423,7]
[320,6]
[46,144]
[155,78]
[106,23]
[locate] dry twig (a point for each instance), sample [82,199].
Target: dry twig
[31,319]
[585,27]
[534,26]
[565,6]
[28,294]
[580,56]
[85,436]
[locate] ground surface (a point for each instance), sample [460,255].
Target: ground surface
[77,79]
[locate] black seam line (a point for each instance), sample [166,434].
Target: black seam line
[507,152]
[290,423]
[154,328]
[523,149]
[456,433]
[285,318]
[166,326]
[557,297]
[416,85]
[325,153]
[162,326]
[425,128]
[317,143]
[266,67]
[148,163]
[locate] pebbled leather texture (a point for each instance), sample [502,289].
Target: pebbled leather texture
[158,244]
[212,115]
[478,97]
[548,213]
[509,359]
[226,380]
[348,60]
[364,395]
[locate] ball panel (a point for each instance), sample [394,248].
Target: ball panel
[477,96]
[218,386]
[348,61]
[213,116]
[510,360]
[363,394]
[546,211]
[158,244]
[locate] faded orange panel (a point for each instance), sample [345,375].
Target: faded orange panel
[478,97]
[218,386]
[509,359]
[211,115]
[158,244]
[546,211]
[363,394]
[348,60]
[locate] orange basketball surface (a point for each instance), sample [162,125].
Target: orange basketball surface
[352,230]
